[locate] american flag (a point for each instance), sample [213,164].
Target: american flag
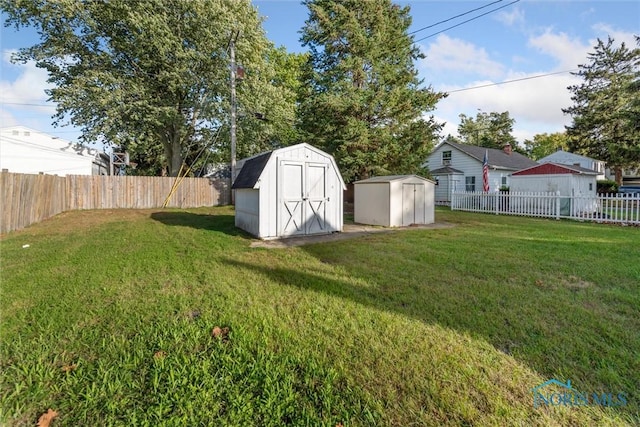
[485,172]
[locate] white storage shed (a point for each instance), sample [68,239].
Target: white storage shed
[575,185]
[291,191]
[569,180]
[394,201]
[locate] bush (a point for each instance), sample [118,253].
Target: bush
[607,186]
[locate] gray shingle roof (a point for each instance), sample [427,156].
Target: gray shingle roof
[251,171]
[497,158]
[446,170]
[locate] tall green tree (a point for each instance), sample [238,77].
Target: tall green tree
[152,76]
[606,107]
[491,130]
[544,144]
[364,102]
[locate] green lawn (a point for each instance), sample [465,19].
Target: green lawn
[107,319]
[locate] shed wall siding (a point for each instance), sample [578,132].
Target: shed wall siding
[247,214]
[371,204]
[429,209]
[542,183]
[269,199]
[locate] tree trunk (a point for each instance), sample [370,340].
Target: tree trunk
[173,152]
[618,175]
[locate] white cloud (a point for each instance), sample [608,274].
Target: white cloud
[569,52]
[586,13]
[449,127]
[535,104]
[603,30]
[456,55]
[27,88]
[516,16]
[7,119]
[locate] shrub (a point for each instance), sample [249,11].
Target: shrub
[607,186]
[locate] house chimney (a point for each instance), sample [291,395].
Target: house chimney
[507,148]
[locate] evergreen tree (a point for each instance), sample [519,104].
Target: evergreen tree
[152,76]
[606,107]
[362,100]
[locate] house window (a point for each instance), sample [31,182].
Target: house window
[504,181]
[590,186]
[470,183]
[446,158]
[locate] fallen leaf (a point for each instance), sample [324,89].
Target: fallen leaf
[221,333]
[69,368]
[159,355]
[46,418]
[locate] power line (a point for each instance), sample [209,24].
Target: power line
[468,20]
[27,104]
[512,81]
[453,17]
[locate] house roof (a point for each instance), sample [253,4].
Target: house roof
[553,155]
[35,139]
[389,178]
[446,170]
[497,159]
[554,169]
[251,171]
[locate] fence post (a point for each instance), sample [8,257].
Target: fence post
[557,205]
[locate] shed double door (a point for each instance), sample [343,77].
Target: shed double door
[302,206]
[413,204]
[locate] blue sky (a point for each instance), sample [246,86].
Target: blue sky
[520,41]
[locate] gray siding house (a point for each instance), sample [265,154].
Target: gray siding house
[458,167]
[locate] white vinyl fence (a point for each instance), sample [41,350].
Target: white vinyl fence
[615,208]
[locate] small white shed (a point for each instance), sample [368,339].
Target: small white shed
[569,180]
[575,185]
[394,201]
[291,191]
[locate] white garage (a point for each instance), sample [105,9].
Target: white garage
[394,201]
[291,191]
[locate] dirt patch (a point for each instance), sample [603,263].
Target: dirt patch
[349,231]
[575,283]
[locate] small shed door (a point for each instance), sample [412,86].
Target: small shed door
[413,204]
[291,202]
[303,202]
[316,198]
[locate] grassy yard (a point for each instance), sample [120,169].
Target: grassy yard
[107,319]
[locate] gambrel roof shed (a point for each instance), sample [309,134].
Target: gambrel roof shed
[290,191]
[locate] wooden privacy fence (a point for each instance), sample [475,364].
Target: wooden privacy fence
[612,208]
[27,199]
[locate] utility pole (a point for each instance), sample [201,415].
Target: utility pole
[234,107]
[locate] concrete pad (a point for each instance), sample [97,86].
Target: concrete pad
[349,231]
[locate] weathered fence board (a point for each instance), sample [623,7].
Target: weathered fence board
[26,199]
